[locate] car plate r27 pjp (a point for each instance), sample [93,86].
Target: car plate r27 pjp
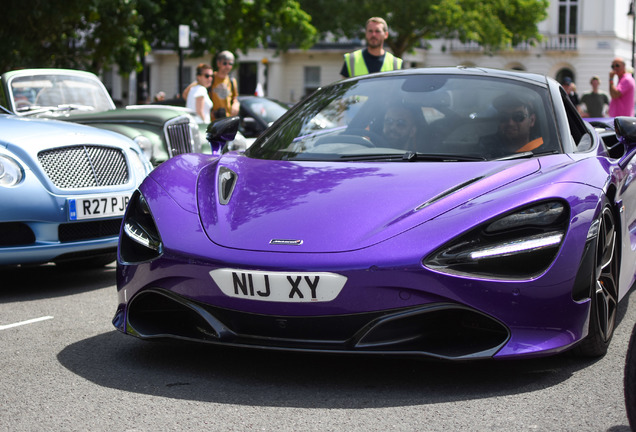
[97,207]
[293,287]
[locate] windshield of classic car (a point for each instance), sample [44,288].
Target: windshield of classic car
[415,118]
[36,92]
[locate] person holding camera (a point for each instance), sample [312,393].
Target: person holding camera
[224,90]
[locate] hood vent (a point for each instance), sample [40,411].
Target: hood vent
[227,182]
[447,193]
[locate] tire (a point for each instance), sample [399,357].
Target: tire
[604,290]
[629,381]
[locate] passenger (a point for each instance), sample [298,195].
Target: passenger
[400,128]
[516,128]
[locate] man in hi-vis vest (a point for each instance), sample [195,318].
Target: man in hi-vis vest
[373,58]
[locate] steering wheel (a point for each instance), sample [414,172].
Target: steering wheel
[371,139]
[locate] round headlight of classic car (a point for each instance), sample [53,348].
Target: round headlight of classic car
[145,145]
[10,172]
[140,163]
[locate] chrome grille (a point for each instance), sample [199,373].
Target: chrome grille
[84,166]
[179,137]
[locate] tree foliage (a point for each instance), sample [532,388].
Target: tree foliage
[83,34]
[91,34]
[235,25]
[494,24]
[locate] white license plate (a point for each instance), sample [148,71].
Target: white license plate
[289,287]
[97,207]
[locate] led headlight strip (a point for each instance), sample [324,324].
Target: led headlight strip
[528,244]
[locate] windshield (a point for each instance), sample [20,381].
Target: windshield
[34,92]
[416,117]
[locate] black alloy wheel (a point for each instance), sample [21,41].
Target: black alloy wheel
[604,290]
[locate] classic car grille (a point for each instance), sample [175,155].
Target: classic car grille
[179,137]
[89,230]
[84,166]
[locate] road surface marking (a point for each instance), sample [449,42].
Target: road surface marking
[31,321]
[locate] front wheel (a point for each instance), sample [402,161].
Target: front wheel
[604,298]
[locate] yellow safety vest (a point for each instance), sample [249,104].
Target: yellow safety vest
[357,66]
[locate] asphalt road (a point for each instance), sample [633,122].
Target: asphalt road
[65,368]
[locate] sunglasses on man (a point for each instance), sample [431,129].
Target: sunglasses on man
[517,117]
[398,122]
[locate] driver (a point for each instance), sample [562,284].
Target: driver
[400,128]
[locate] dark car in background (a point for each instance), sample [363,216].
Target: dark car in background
[79,96]
[257,114]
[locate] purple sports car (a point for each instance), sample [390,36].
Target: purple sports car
[452,213]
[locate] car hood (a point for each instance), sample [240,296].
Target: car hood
[265,205]
[152,115]
[22,135]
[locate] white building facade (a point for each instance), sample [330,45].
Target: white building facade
[580,39]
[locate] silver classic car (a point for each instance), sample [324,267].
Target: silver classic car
[78,96]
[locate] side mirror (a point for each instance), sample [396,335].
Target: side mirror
[222,131]
[250,127]
[626,128]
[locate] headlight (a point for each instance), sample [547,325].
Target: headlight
[518,245]
[146,145]
[10,172]
[140,239]
[140,163]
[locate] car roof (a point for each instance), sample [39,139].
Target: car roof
[464,70]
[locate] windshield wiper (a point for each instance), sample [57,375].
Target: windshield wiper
[371,157]
[413,157]
[37,108]
[71,107]
[62,107]
[516,156]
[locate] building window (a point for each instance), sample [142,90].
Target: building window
[312,79]
[568,11]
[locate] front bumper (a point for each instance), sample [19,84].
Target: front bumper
[441,330]
[403,310]
[41,242]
